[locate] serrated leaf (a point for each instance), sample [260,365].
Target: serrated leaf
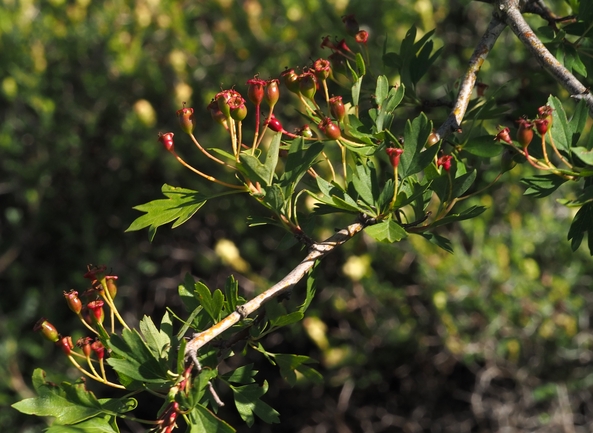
[132,358]
[387,231]
[586,196]
[439,241]
[248,403]
[241,375]
[415,135]
[287,319]
[253,168]
[299,160]
[472,212]
[179,206]
[93,425]
[483,146]
[581,224]
[561,130]
[211,302]
[363,183]
[584,154]
[231,293]
[204,421]
[542,185]
[69,403]
[157,341]
[272,157]
[274,199]
[290,364]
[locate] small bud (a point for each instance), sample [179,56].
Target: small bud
[291,80]
[504,135]
[351,24]
[65,344]
[330,129]
[255,92]
[322,69]
[362,37]
[217,115]
[98,272]
[337,108]
[343,48]
[85,344]
[433,139]
[272,93]
[525,132]
[542,126]
[186,119]
[445,162]
[99,349]
[305,131]
[96,310]
[73,301]
[238,108]
[394,154]
[48,330]
[274,124]
[111,285]
[166,140]
[308,84]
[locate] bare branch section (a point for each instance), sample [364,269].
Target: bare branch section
[316,252]
[514,19]
[453,122]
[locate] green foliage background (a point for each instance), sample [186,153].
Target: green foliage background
[406,335]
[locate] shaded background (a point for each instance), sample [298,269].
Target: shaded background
[496,337]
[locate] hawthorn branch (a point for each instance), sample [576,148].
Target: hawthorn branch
[514,19]
[317,251]
[453,122]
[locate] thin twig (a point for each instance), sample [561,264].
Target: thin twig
[316,252]
[453,122]
[514,19]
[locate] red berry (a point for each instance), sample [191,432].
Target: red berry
[73,301]
[541,125]
[66,344]
[525,132]
[504,135]
[337,108]
[308,84]
[48,330]
[255,92]
[329,129]
[166,140]
[96,309]
[322,69]
[272,92]
[111,286]
[394,154]
[275,125]
[99,349]
[291,80]
[445,162]
[186,119]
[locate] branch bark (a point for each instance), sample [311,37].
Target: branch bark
[514,19]
[316,252]
[508,12]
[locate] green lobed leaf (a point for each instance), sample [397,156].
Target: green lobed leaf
[584,154]
[231,293]
[561,130]
[290,364]
[241,375]
[272,157]
[157,341]
[462,183]
[581,224]
[179,206]
[248,403]
[253,168]
[415,135]
[311,289]
[385,115]
[586,196]
[439,241]
[132,357]
[363,181]
[100,424]
[210,301]
[483,146]
[69,403]
[274,199]
[542,185]
[299,160]
[387,231]
[287,319]
[469,213]
[204,421]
